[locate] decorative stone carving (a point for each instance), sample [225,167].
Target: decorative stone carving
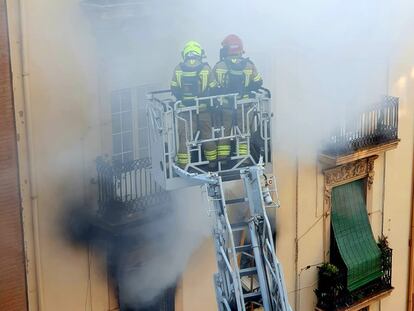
[371,172]
[327,195]
[350,171]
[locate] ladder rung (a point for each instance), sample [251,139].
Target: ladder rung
[243,248]
[229,176]
[235,201]
[239,226]
[252,296]
[248,271]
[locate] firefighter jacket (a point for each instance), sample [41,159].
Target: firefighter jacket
[237,75]
[192,78]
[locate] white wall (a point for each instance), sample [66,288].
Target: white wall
[308,59]
[54,61]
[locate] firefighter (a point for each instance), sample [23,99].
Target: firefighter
[234,74]
[193,78]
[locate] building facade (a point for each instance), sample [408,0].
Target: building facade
[74,78]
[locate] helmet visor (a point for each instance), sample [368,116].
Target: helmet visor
[192,55]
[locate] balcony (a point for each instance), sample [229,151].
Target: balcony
[368,133]
[332,292]
[129,198]
[127,192]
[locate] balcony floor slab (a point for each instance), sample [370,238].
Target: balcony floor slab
[335,160]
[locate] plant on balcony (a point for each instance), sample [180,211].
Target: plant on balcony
[383,243]
[386,261]
[330,287]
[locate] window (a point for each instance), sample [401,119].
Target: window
[361,267]
[129,123]
[122,128]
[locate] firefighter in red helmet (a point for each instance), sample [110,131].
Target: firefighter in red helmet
[234,74]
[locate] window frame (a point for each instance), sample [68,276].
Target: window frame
[139,127]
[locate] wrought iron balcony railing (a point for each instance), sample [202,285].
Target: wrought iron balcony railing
[370,128]
[127,186]
[332,290]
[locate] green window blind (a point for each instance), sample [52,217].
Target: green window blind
[353,234]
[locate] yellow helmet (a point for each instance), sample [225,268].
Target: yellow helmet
[193,47]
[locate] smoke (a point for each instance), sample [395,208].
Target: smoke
[146,256]
[167,244]
[321,59]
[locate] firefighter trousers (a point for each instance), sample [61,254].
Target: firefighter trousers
[189,123]
[229,118]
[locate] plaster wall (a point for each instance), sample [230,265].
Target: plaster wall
[55,76]
[70,75]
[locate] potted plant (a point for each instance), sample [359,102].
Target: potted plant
[329,286]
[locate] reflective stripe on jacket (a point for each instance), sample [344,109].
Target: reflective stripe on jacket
[237,75]
[192,79]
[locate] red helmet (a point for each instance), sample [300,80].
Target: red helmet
[233,45]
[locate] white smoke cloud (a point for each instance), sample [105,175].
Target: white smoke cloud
[164,248]
[319,58]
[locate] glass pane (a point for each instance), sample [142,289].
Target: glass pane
[126,101]
[116,123]
[117,143]
[126,141]
[126,121]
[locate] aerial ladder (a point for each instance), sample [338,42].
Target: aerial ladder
[249,276]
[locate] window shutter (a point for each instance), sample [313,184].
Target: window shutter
[353,234]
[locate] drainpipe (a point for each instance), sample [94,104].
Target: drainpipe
[31,153]
[297,275]
[411,259]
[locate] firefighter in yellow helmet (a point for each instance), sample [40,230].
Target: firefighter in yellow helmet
[234,74]
[193,78]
